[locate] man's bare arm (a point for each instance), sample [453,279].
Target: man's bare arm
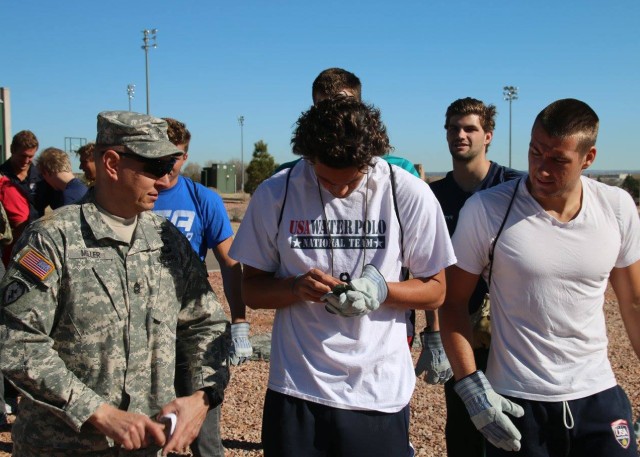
[455,326]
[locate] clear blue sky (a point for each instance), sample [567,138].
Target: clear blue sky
[67,60]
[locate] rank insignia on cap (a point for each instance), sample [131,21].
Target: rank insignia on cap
[621,432]
[36,264]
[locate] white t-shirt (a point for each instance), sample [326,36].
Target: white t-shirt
[549,340]
[350,363]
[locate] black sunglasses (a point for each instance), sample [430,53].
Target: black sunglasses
[155,167]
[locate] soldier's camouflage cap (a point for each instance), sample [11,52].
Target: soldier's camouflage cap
[144,135]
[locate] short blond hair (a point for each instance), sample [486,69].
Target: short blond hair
[53,160]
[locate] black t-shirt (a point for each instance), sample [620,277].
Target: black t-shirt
[452,198]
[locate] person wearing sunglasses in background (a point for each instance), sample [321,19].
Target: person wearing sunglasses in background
[100,302]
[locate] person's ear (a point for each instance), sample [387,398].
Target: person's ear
[589,157]
[111,163]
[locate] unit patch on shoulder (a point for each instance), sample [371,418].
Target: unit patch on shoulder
[621,432]
[36,264]
[14,291]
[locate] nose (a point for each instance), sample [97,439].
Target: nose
[339,190]
[163,182]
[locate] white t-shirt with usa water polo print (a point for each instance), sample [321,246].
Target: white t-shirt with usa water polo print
[360,363]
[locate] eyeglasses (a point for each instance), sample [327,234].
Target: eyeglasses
[155,167]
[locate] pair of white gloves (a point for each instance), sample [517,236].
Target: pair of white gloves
[360,296]
[487,409]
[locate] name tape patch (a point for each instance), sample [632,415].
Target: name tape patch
[95,254]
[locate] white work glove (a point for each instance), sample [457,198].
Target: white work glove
[487,410]
[362,296]
[241,349]
[433,361]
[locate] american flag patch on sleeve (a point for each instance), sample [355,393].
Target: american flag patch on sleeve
[36,264]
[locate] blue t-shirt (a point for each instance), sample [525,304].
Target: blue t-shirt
[74,191]
[197,212]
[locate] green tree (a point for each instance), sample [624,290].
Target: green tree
[192,170]
[631,185]
[262,166]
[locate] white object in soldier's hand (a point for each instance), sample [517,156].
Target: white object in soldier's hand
[169,420]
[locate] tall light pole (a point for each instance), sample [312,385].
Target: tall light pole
[131,91]
[510,94]
[148,35]
[241,122]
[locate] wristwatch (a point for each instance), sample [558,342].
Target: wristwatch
[215,399]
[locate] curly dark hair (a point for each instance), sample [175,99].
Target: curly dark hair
[341,133]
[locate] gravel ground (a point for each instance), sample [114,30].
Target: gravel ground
[242,408]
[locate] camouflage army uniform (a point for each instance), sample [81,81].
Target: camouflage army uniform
[88,319]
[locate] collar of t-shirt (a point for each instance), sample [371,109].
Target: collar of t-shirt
[123,227]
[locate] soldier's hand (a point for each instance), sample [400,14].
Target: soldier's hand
[130,430]
[191,412]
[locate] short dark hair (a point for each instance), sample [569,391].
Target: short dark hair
[332,81]
[86,151]
[178,132]
[23,140]
[568,117]
[467,106]
[341,133]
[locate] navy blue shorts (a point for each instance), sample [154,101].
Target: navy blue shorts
[292,427]
[602,427]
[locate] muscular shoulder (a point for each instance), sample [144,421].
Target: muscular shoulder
[495,197]
[64,220]
[619,200]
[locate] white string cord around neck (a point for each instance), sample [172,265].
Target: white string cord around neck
[345,275]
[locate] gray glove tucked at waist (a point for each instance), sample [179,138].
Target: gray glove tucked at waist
[241,349]
[433,361]
[487,410]
[362,295]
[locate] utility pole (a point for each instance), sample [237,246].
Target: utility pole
[149,35]
[241,122]
[510,94]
